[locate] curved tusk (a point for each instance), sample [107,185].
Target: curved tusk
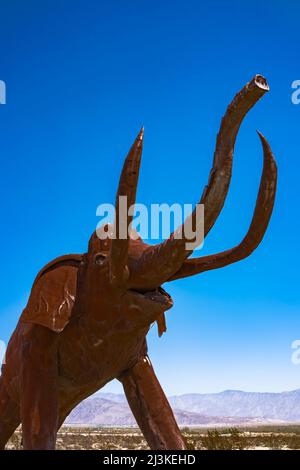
[260,221]
[127,189]
[160,262]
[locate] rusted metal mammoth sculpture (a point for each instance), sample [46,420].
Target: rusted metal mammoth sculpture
[88,315]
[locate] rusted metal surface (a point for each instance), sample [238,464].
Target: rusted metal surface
[88,315]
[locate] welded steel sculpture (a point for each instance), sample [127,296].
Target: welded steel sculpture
[88,315]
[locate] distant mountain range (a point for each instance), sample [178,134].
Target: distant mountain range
[283,406]
[228,408]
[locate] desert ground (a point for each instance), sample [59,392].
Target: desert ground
[260,438]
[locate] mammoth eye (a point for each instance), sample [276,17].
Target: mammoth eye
[100,259]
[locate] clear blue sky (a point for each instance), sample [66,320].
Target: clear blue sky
[82,77]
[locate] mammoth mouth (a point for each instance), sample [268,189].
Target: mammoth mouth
[158,295]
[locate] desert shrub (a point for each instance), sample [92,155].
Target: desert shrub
[214,441]
[294,442]
[190,444]
[230,439]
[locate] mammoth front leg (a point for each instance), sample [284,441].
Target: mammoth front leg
[39,392]
[151,408]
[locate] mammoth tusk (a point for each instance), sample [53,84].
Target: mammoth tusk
[127,188]
[160,262]
[261,217]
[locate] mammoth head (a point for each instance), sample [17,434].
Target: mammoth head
[132,266]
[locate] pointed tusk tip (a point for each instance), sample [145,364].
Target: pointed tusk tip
[141,133]
[266,146]
[261,136]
